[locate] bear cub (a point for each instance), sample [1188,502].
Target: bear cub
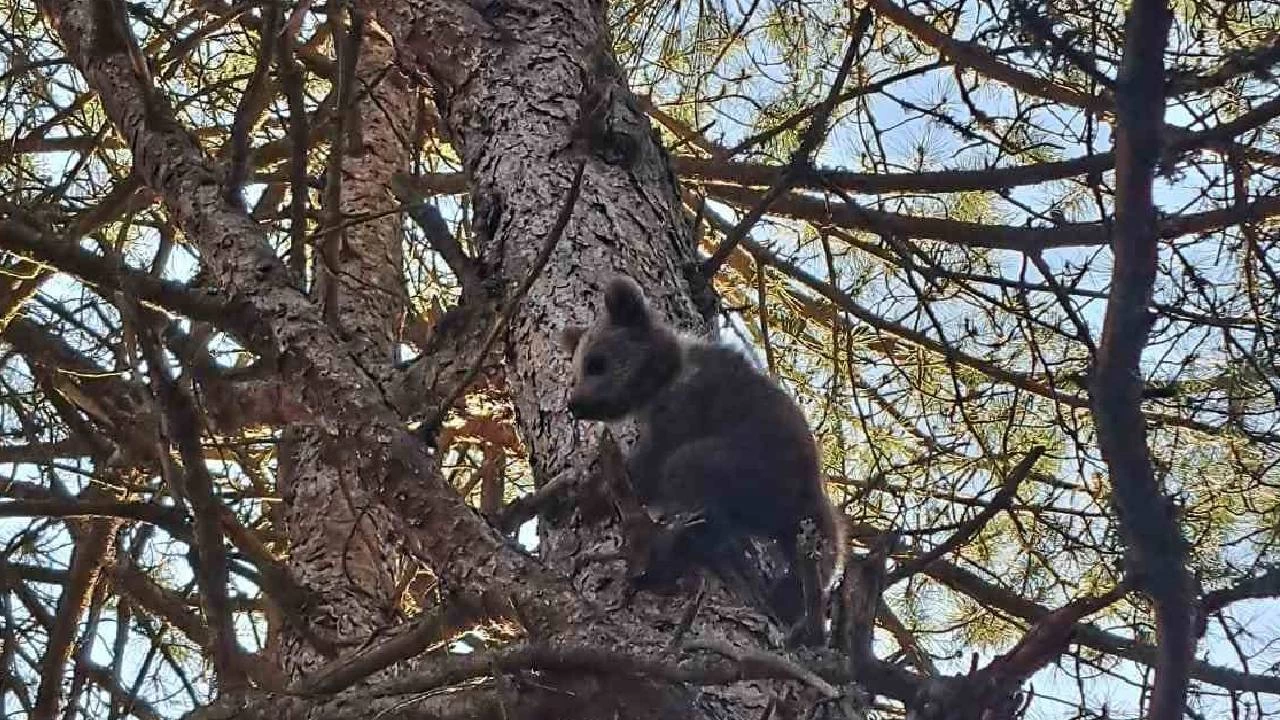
[716,436]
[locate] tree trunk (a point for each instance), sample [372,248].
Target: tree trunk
[527,91]
[343,545]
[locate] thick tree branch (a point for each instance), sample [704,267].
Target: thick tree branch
[1046,640]
[284,321]
[436,231]
[430,630]
[171,519]
[728,176]
[981,235]
[940,181]
[120,407]
[993,370]
[573,657]
[94,548]
[981,60]
[993,596]
[1259,59]
[512,304]
[1266,585]
[984,62]
[1157,553]
[992,691]
[69,257]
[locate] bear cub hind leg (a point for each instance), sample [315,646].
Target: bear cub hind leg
[735,489]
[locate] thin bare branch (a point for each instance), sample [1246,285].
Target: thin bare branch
[802,160]
[180,424]
[1008,490]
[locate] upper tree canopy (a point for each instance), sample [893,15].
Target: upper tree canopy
[1018,261]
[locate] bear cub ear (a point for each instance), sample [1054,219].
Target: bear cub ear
[570,337]
[624,301]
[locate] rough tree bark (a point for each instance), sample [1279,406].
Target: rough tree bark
[343,546]
[530,96]
[527,91]
[320,373]
[520,137]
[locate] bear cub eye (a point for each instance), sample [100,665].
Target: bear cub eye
[594,365]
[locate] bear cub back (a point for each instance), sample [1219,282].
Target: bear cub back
[716,435]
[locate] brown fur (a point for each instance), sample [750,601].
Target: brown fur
[715,436]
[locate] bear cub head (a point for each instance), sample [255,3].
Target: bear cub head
[622,361]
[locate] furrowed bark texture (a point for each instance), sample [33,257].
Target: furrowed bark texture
[527,91]
[322,372]
[344,546]
[514,85]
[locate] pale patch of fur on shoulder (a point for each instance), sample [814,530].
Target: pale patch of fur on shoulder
[690,340]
